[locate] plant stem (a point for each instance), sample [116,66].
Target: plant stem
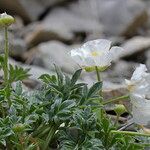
[98,79]
[124,97]
[6,58]
[131,133]
[50,136]
[97,74]
[116,121]
[5,68]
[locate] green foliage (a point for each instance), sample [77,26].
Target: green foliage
[63,114]
[17,73]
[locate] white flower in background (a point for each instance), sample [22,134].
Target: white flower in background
[140,81]
[139,87]
[96,53]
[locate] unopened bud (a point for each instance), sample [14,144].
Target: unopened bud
[6,20]
[119,109]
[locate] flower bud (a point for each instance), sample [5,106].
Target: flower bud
[18,127]
[6,20]
[119,109]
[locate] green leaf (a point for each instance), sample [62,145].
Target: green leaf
[60,76]
[94,89]
[67,104]
[17,73]
[46,78]
[76,76]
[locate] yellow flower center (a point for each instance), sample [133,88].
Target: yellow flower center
[94,53]
[131,87]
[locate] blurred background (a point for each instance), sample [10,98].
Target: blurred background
[46,30]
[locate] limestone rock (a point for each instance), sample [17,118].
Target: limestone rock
[29,10]
[148,59]
[62,24]
[46,32]
[135,45]
[122,17]
[16,46]
[118,17]
[50,53]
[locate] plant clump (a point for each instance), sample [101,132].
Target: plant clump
[64,113]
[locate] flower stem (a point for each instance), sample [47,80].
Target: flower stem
[5,68]
[117,120]
[131,133]
[6,58]
[98,74]
[124,97]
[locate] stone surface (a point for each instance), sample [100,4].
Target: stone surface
[122,17]
[62,24]
[17,46]
[29,10]
[118,17]
[135,45]
[50,53]
[111,90]
[148,59]
[45,32]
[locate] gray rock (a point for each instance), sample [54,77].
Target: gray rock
[63,24]
[118,17]
[122,17]
[50,53]
[29,10]
[148,59]
[73,22]
[135,45]
[111,90]
[39,33]
[17,46]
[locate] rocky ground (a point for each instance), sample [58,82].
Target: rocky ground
[46,30]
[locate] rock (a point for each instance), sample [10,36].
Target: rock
[62,24]
[111,90]
[148,59]
[122,17]
[29,10]
[120,71]
[45,32]
[118,17]
[50,53]
[135,45]
[72,21]
[17,46]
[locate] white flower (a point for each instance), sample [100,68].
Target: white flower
[139,87]
[140,81]
[96,53]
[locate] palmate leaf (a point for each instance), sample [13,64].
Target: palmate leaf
[17,73]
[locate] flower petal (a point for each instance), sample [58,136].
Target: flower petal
[139,73]
[100,45]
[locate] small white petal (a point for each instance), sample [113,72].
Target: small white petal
[95,53]
[101,45]
[139,72]
[140,95]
